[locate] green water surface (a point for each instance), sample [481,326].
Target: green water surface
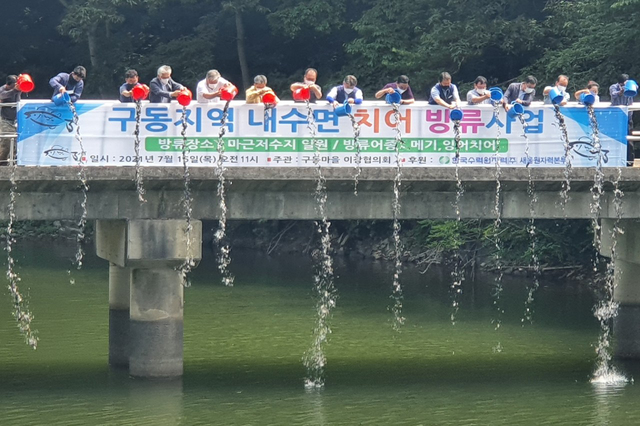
[243,348]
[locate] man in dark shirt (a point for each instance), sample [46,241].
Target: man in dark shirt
[402,86]
[522,93]
[130,80]
[163,88]
[9,93]
[71,83]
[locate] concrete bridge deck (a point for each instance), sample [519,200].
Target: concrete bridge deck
[49,193]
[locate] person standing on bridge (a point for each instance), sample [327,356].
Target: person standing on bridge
[71,83]
[562,82]
[347,91]
[209,89]
[402,86]
[255,93]
[130,81]
[522,93]
[310,77]
[479,94]
[9,93]
[162,88]
[445,93]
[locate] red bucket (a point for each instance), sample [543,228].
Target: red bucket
[229,92]
[24,83]
[140,92]
[268,98]
[185,96]
[302,94]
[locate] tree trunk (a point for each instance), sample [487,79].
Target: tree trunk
[93,57]
[244,68]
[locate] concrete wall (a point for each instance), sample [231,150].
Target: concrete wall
[49,193]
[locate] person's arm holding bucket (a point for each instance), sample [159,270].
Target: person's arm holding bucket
[435,94]
[331,97]
[59,82]
[388,89]
[358,97]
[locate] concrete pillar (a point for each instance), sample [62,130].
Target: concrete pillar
[152,250]
[119,280]
[156,323]
[626,326]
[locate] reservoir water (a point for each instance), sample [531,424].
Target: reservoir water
[243,348]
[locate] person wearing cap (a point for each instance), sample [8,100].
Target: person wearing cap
[562,82]
[162,88]
[347,91]
[208,90]
[444,93]
[71,83]
[9,93]
[522,93]
[130,81]
[255,93]
[591,89]
[402,86]
[479,94]
[310,77]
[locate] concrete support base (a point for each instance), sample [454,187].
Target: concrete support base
[119,284]
[626,326]
[146,292]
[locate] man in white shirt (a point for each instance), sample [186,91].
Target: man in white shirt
[209,89]
[562,82]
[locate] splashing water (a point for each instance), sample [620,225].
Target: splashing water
[224,258]
[497,321]
[607,309]
[566,183]
[531,230]
[457,275]
[397,293]
[187,203]
[84,187]
[20,308]
[314,358]
[358,159]
[596,188]
[136,147]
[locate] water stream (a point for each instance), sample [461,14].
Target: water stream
[136,147]
[84,188]
[566,183]
[397,293]
[187,202]
[358,159]
[314,358]
[457,275]
[224,249]
[20,306]
[534,263]
[606,310]
[497,210]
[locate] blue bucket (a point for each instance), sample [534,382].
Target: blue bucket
[496,94]
[587,98]
[630,88]
[456,114]
[61,99]
[393,98]
[515,110]
[343,110]
[556,96]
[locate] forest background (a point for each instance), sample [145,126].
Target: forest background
[375,40]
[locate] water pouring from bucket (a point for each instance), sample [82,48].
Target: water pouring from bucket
[24,83]
[630,88]
[185,96]
[61,99]
[556,96]
[344,109]
[496,94]
[140,92]
[269,99]
[228,93]
[516,110]
[587,99]
[302,94]
[393,98]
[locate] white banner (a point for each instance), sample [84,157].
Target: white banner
[280,137]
